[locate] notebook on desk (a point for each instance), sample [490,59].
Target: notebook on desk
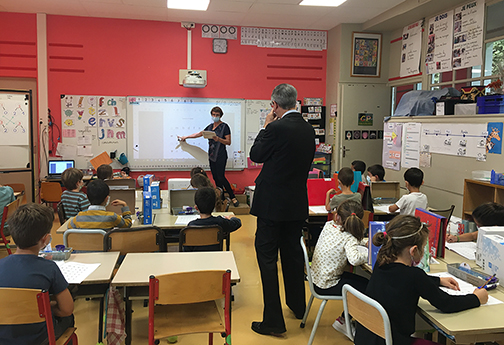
[56,168]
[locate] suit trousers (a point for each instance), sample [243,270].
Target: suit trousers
[283,236]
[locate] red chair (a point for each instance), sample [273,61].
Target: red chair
[184,303]
[25,306]
[7,212]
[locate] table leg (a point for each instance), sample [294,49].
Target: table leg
[100,319]
[128,316]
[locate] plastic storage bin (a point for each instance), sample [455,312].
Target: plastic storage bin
[497,178]
[492,104]
[57,255]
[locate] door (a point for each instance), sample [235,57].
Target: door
[371,104]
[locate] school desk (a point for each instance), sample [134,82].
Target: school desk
[97,283]
[134,272]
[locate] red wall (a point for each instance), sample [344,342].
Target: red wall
[118,57]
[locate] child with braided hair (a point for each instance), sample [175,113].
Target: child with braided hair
[337,246]
[397,284]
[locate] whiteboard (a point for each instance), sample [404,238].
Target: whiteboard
[255,113]
[15,117]
[91,125]
[155,122]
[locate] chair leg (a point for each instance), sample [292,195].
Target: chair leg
[317,320]
[210,338]
[100,319]
[4,240]
[303,322]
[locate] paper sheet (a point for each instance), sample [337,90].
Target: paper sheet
[465,288]
[66,151]
[208,134]
[185,219]
[318,209]
[76,272]
[84,140]
[102,158]
[466,249]
[85,151]
[382,208]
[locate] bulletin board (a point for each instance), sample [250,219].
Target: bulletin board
[255,114]
[91,125]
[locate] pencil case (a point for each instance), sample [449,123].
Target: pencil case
[57,254]
[470,276]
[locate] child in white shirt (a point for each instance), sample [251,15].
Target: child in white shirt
[415,199]
[338,246]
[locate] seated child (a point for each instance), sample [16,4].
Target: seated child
[104,172]
[198,170]
[199,181]
[72,199]
[205,202]
[345,179]
[96,216]
[413,178]
[336,247]
[6,197]
[125,172]
[488,214]
[30,227]
[375,173]
[397,285]
[360,166]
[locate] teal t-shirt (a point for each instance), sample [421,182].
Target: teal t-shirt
[6,197]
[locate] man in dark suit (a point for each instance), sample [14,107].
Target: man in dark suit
[286,146]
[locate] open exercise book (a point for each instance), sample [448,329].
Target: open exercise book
[76,272]
[465,288]
[465,249]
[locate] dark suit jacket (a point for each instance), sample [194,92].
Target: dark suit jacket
[286,147]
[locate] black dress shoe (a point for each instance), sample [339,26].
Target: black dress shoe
[258,327]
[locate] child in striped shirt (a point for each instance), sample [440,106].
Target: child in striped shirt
[97,216]
[72,199]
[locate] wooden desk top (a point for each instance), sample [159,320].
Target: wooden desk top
[137,267]
[103,274]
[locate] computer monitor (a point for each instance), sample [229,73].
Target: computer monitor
[57,167]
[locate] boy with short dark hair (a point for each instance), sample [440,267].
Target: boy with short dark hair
[96,216]
[345,179]
[104,172]
[415,199]
[30,227]
[376,173]
[72,199]
[205,203]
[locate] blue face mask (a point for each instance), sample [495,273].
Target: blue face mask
[216,118]
[368,179]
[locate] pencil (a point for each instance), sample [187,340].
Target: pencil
[488,281]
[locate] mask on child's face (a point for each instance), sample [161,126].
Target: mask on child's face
[415,263]
[368,179]
[108,201]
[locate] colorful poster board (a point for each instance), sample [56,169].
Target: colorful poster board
[392,145]
[411,49]
[468,23]
[439,43]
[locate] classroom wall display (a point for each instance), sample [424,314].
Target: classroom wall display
[494,138]
[219,31]
[256,111]
[154,124]
[468,34]
[462,139]
[411,145]
[411,49]
[392,145]
[284,38]
[439,43]
[366,54]
[15,117]
[91,125]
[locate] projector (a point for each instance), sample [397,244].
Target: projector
[194,79]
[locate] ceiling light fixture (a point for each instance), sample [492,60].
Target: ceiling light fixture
[326,3]
[195,5]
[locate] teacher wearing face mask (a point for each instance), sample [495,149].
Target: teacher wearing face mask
[217,154]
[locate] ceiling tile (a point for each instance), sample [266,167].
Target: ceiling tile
[229,6]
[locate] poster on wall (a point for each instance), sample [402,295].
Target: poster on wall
[411,148]
[439,43]
[494,138]
[14,120]
[392,146]
[411,49]
[468,34]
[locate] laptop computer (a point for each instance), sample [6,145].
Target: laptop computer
[56,168]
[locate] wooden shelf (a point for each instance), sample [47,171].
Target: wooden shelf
[480,192]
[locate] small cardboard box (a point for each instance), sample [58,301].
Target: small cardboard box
[466,109]
[147,180]
[147,208]
[156,196]
[493,255]
[484,231]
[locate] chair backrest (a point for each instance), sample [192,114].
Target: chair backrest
[308,268]
[146,239]
[368,217]
[61,213]
[201,235]
[447,213]
[190,287]
[50,192]
[181,197]
[368,312]
[84,239]
[9,210]
[23,306]
[20,188]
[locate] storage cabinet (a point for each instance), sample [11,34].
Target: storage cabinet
[480,192]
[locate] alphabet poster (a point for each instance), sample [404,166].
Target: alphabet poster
[93,124]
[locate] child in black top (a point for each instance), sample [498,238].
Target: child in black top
[397,285]
[205,202]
